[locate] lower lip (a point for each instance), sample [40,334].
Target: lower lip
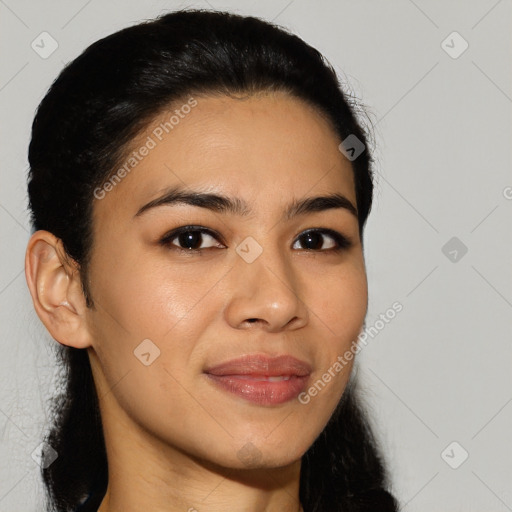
[261,392]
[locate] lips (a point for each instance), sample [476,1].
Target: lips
[261,379]
[262,366]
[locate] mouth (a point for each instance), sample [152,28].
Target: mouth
[261,379]
[264,378]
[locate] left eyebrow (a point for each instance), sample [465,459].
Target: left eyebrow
[236,206]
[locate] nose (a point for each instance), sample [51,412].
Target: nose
[265,294]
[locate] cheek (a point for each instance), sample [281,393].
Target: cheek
[339,300]
[151,306]
[147,322]
[149,297]
[338,307]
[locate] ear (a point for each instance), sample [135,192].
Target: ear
[54,283]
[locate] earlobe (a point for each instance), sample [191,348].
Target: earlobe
[54,283]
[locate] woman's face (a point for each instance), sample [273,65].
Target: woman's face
[248,280]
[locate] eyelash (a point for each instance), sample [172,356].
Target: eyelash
[342,241]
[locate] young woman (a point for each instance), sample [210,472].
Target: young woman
[199,185]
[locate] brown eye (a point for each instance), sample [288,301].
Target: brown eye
[322,240]
[190,238]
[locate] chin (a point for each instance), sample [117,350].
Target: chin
[250,455]
[260,453]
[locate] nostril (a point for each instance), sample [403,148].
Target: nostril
[251,320]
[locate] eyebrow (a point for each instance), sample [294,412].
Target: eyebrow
[235,206]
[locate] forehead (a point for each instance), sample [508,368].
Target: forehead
[266,148]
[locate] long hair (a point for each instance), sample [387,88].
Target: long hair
[80,134]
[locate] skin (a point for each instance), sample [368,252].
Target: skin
[173,439]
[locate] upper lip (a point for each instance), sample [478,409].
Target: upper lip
[262,365]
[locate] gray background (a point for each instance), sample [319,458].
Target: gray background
[441,370]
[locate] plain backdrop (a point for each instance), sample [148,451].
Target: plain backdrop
[436,77]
